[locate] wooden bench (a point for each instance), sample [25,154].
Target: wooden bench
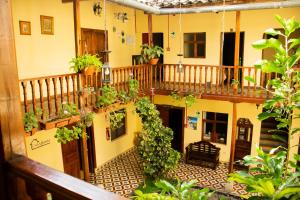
[203,153]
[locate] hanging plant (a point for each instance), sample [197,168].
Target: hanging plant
[82,63]
[67,110]
[64,135]
[88,118]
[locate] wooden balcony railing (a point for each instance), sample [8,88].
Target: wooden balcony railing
[212,82]
[29,180]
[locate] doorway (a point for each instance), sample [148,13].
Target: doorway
[173,117]
[158,39]
[71,158]
[91,149]
[228,53]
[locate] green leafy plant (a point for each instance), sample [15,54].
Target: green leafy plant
[154,142]
[267,179]
[133,89]
[149,52]
[88,118]
[108,96]
[64,135]
[285,97]
[177,191]
[81,62]
[189,99]
[30,120]
[116,118]
[67,110]
[234,82]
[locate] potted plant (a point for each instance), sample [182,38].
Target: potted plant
[235,84]
[30,121]
[68,114]
[151,54]
[86,64]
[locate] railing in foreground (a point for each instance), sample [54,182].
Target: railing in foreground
[48,93]
[39,181]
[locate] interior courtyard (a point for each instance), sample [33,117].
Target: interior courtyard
[67,133]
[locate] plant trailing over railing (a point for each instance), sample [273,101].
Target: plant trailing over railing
[87,118]
[108,97]
[267,179]
[67,110]
[30,120]
[80,63]
[64,135]
[275,179]
[189,99]
[177,191]
[154,142]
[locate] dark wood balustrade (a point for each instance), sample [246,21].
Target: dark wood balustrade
[39,181]
[205,81]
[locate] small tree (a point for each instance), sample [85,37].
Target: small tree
[154,142]
[275,178]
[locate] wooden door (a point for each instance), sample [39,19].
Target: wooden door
[71,158]
[93,42]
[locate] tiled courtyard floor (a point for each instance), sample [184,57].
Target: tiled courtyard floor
[124,173]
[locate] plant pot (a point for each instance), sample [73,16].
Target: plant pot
[234,86]
[89,71]
[154,61]
[32,132]
[55,123]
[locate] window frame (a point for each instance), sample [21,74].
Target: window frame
[214,122]
[195,44]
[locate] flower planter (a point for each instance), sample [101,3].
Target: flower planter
[55,123]
[32,132]
[154,61]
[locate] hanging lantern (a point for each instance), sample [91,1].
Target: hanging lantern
[106,73]
[180,64]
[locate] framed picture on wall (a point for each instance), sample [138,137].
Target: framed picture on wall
[47,25]
[25,28]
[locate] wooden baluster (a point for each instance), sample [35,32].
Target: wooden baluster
[68,88]
[33,99]
[48,85]
[269,86]
[174,80]
[222,79]
[242,83]
[139,75]
[40,82]
[211,78]
[54,81]
[262,79]
[248,90]
[228,80]
[205,86]
[73,77]
[179,81]
[200,79]
[217,79]
[190,78]
[62,89]
[255,80]
[155,76]
[195,77]
[124,74]
[169,76]
[24,85]
[117,79]
[160,71]
[184,77]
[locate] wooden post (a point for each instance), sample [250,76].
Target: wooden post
[77,26]
[11,126]
[150,34]
[77,30]
[237,46]
[233,138]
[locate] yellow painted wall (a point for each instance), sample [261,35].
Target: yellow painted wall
[42,55]
[253,23]
[106,149]
[50,154]
[244,110]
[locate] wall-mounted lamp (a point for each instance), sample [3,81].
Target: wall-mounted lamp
[106,73]
[121,16]
[97,9]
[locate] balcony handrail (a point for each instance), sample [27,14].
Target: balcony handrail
[60,185]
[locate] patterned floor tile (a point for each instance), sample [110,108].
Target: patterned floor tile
[124,173]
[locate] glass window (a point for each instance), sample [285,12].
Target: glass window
[215,127]
[194,45]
